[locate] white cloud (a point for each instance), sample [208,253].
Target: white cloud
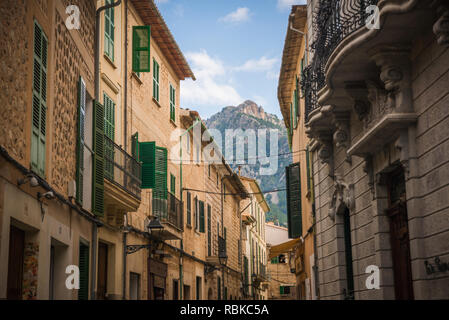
[211,87]
[237,16]
[253,65]
[286,4]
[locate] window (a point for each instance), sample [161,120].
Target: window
[275,260]
[217,178]
[209,170]
[195,208]
[284,290]
[39,107]
[209,231]
[282,258]
[189,209]
[141,49]
[198,288]
[175,290]
[172,184]
[201,216]
[155,80]
[294,210]
[134,286]
[224,192]
[172,103]
[109,31]
[83,292]
[109,131]
[98,167]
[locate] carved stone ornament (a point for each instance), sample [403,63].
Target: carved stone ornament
[357,90]
[343,197]
[441,26]
[325,153]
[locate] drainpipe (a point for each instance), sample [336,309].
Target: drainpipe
[97,98]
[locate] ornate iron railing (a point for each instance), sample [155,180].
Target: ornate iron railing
[121,168]
[167,208]
[333,22]
[222,253]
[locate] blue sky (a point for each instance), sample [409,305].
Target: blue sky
[234,48]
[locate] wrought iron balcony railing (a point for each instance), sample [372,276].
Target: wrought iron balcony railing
[222,253]
[167,208]
[333,22]
[121,168]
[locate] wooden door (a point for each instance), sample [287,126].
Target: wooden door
[399,237]
[15,263]
[102,270]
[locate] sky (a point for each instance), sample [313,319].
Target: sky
[234,48]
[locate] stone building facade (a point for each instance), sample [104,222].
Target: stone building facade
[43,229]
[376,112]
[255,273]
[299,182]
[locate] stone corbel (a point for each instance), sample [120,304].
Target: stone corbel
[358,92]
[325,153]
[394,63]
[342,197]
[441,26]
[342,132]
[369,170]
[402,144]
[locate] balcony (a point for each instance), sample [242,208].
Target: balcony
[335,21]
[169,210]
[260,276]
[218,251]
[122,182]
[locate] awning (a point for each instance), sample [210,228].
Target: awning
[282,248]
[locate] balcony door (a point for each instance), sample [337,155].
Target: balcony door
[399,236]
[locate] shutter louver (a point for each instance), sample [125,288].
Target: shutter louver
[39,102]
[83,293]
[141,48]
[98,162]
[147,156]
[202,217]
[80,140]
[294,210]
[160,177]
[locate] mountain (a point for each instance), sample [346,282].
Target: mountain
[249,115]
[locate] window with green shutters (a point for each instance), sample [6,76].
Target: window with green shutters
[189,209]
[275,260]
[109,131]
[109,28]
[294,210]
[83,292]
[39,106]
[147,157]
[160,174]
[155,80]
[195,212]
[308,168]
[80,140]
[98,160]
[209,230]
[201,216]
[172,103]
[141,48]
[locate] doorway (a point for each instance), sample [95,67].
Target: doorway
[399,235]
[102,271]
[349,293]
[134,286]
[187,292]
[15,263]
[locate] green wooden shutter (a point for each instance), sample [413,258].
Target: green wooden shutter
[83,293]
[98,160]
[281,290]
[295,110]
[172,103]
[80,140]
[189,209]
[294,210]
[141,48]
[202,217]
[109,31]
[308,167]
[209,230]
[160,177]
[38,130]
[147,156]
[155,80]
[109,131]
